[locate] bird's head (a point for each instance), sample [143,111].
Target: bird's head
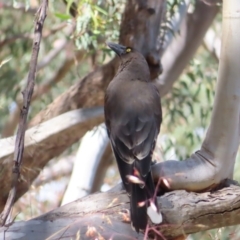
[131,59]
[120,50]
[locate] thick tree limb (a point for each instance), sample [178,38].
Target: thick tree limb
[102,215]
[42,143]
[215,160]
[88,158]
[104,163]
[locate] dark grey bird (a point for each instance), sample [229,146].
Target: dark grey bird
[133,117]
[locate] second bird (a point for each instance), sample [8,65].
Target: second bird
[133,117]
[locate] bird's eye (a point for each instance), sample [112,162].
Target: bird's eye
[128,50]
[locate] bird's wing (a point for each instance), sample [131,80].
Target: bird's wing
[135,140]
[133,136]
[133,126]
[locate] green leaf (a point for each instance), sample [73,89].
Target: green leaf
[191,76]
[69,4]
[184,84]
[182,115]
[100,10]
[4,61]
[62,16]
[208,94]
[190,107]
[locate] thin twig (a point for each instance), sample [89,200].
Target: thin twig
[39,91]
[27,94]
[30,36]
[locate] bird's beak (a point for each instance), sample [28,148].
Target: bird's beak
[117,48]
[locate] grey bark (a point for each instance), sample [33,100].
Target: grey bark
[42,143]
[104,216]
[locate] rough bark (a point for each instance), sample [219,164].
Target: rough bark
[42,143]
[103,216]
[27,95]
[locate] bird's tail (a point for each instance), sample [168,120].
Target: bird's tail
[139,195]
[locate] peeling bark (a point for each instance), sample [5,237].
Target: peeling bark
[102,215]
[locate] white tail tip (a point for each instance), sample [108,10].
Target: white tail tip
[156,217]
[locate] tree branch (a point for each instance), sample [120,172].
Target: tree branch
[105,162]
[86,164]
[42,143]
[27,95]
[215,160]
[8,129]
[104,215]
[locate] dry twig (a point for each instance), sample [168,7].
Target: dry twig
[27,94]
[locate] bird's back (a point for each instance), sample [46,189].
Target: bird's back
[133,116]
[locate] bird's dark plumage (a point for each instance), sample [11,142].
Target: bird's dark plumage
[133,117]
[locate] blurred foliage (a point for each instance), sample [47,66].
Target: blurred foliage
[188,107]
[97,21]
[225,233]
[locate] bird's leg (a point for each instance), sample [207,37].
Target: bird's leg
[135,178]
[125,213]
[162,186]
